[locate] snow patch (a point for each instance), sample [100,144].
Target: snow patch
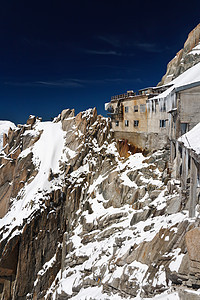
[4,127]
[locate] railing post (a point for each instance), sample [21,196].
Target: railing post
[193,189]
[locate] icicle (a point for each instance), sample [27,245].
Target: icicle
[150,107]
[186,162]
[154,105]
[169,126]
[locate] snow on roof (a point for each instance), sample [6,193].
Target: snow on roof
[107,105]
[189,77]
[191,139]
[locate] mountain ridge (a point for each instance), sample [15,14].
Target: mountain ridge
[185,58]
[89,223]
[80,221]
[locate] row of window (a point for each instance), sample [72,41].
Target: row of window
[136,123]
[143,108]
[126,123]
[135,108]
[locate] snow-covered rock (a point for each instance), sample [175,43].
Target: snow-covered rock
[83,222]
[185,58]
[4,127]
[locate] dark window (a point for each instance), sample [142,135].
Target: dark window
[117,123]
[162,123]
[135,108]
[110,109]
[136,123]
[154,106]
[181,169]
[198,177]
[163,106]
[126,109]
[184,128]
[126,123]
[142,108]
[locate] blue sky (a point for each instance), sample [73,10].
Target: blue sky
[77,54]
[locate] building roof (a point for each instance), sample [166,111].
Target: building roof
[186,80]
[191,139]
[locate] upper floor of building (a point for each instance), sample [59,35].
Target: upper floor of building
[170,110]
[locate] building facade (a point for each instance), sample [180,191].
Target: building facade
[157,115]
[186,168]
[134,120]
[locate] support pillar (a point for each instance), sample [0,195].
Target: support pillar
[172,152]
[193,189]
[178,162]
[184,168]
[64,250]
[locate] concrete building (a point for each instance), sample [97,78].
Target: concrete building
[158,115]
[186,168]
[132,118]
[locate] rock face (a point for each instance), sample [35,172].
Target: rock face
[83,222]
[185,58]
[15,172]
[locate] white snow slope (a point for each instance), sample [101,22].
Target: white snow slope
[48,153]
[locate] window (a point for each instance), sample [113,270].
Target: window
[184,128]
[110,109]
[126,109]
[162,106]
[126,123]
[135,108]
[142,108]
[154,106]
[116,123]
[198,177]
[162,123]
[136,123]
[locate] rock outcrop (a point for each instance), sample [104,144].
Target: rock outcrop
[83,222]
[185,58]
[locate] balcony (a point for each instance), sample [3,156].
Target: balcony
[123,96]
[116,114]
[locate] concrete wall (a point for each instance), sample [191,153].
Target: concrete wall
[142,140]
[190,107]
[148,134]
[153,122]
[132,116]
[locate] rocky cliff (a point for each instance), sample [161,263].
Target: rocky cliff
[81,222]
[185,58]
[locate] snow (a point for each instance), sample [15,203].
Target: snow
[4,127]
[100,250]
[47,152]
[107,105]
[112,149]
[176,262]
[45,268]
[195,50]
[191,139]
[190,76]
[139,271]
[96,293]
[164,296]
[160,278]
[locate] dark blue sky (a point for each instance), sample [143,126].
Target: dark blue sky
[77,54]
